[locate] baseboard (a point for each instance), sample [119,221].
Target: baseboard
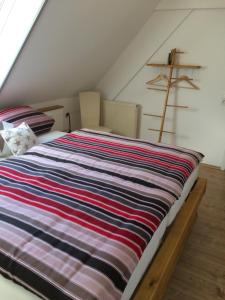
[210,166]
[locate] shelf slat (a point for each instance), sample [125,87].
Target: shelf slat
[175,66]
[179,106]
[50,108]
[158,116]
[162,131]
[156,89]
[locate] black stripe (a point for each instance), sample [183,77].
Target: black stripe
[39,127]
[97,212]
[154,167]
[124,177]
[156,145]
[124,149]
[84,257]
[30,278]
[65,237]
[135,200]
[23,115]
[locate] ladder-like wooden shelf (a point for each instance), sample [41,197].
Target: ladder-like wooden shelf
[167,87]
[176,66]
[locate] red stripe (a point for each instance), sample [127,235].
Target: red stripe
[6,191]
[125,154]
[82,215]
[134,147]
[81,195]
[15,110]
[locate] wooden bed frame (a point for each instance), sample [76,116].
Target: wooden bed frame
[154,283]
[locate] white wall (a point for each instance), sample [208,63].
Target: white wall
[198,28]
[72,45]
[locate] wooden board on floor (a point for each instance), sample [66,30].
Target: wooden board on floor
[154,283]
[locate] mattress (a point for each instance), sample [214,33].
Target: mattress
[11,291]
[186,190]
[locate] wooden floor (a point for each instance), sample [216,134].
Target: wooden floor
[200,272]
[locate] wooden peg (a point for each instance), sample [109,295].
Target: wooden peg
[171,132]
[158,116]
[156,89]
[158,130]
[178,106]
[152,129]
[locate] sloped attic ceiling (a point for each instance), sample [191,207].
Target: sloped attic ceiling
[72,45]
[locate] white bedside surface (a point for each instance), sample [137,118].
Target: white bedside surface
[44,138]
[49,136]
[2,158]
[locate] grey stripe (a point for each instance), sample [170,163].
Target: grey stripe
[38,267]
[77,228]
[121,184]
[80,206]
[115,262]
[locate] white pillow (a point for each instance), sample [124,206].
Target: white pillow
[4,149]
[7,125]
[19,139]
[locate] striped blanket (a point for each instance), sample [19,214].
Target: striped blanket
[77,213]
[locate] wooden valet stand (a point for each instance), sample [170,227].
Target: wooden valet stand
[167,83]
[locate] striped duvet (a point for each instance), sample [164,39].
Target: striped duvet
[77,213]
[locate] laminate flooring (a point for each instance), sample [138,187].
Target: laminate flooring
[200,272]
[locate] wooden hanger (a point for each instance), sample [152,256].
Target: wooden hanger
[187,79]
[158,78]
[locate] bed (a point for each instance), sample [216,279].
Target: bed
[122,195]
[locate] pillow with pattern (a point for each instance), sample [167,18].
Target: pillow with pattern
[38,121]
[19,139]
[4,149]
